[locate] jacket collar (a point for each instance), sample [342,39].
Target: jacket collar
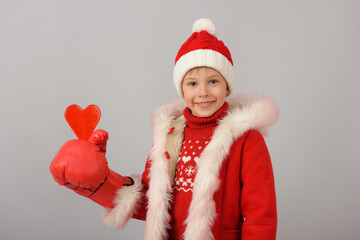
[260,110]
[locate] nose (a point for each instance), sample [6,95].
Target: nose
[203,91]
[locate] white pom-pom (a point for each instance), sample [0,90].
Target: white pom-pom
[204,24]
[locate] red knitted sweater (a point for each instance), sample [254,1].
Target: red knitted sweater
[197,135]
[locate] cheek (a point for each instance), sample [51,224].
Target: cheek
[221,94]
[188,98]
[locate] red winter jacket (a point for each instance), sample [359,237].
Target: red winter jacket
[234,192]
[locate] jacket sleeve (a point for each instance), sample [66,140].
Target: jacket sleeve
[130,201]
[258,199]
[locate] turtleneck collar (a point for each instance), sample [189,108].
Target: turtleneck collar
[204,122]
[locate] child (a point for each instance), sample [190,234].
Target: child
[208,174]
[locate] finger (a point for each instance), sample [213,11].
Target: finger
[99,136]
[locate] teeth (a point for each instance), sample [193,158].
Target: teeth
[205,104]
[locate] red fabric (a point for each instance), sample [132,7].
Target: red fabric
[258,201]
[140,213]
[197,135]
[247,191]
[203,40]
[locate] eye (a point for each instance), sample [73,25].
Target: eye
[192,84]
[213,81]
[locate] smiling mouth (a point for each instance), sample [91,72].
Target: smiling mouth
[205,104]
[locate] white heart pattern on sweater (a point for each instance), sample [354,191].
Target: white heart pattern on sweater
[186,159]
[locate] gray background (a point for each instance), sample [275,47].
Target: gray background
[120,55]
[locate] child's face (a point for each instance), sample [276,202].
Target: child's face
[205,91]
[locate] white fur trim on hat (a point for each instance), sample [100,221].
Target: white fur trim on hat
[204,58]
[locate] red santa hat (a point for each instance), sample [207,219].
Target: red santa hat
[203,49]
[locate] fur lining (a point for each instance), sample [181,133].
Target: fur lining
[174,144]
[126,204]
[245,112]
[259,111]
[159,193]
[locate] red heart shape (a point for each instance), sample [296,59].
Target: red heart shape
[83,121]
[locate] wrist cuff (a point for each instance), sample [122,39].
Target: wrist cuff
[106,193]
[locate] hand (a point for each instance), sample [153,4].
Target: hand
[81,166]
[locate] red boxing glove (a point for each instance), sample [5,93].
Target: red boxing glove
[81,166]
